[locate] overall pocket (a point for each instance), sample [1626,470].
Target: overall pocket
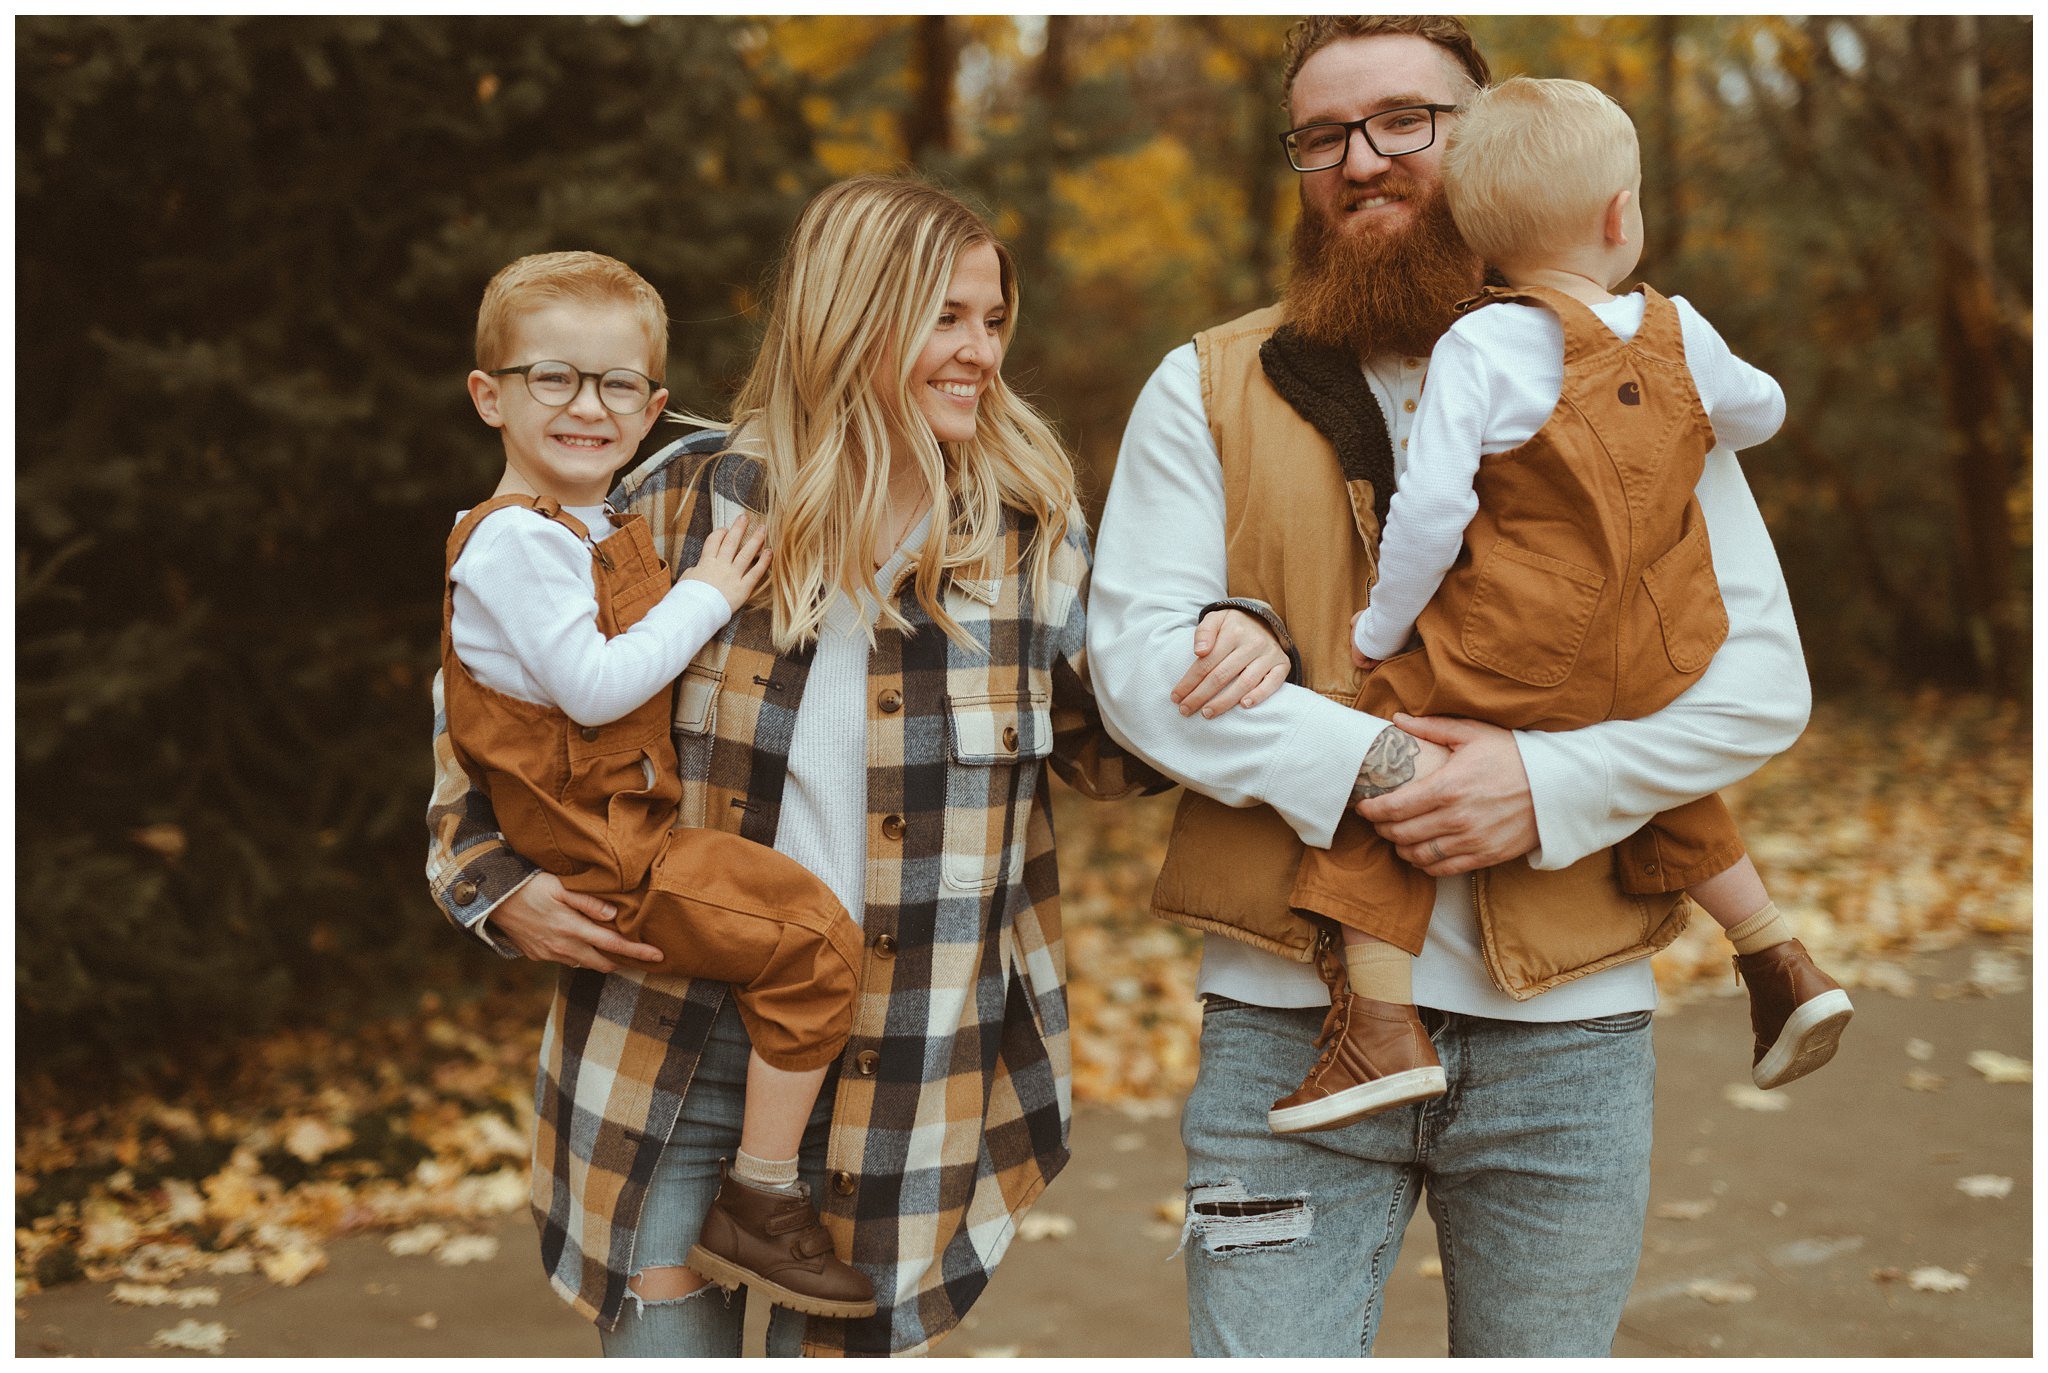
[1529,614]
[1688,599]
[988,738]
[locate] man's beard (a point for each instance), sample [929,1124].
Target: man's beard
[1380,292]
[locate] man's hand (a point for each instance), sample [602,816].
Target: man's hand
[1238,662]
[544,920]
[1472,813]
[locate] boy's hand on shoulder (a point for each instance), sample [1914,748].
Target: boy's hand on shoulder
[734,562]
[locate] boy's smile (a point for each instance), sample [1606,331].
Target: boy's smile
[568,452]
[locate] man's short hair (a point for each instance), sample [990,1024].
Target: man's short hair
[1312,35]
[1531,162]
[541,279]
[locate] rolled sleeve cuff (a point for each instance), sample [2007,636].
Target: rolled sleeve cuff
[1567,795]
[474,889]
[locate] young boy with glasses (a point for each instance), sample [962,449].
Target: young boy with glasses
[1545,545]
[561,636]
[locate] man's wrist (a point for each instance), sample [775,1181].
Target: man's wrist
[1389,762]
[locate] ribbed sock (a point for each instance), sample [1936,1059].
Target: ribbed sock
[1380,972]
[1760,931]
[779,1174]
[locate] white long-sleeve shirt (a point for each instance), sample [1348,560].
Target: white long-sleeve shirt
[1494,380]
[525,619]
[1160,558]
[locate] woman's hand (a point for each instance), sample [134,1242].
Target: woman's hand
[1238,662]
[546,921]
[732,563]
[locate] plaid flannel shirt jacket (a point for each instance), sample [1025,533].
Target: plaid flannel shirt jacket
[954,1100]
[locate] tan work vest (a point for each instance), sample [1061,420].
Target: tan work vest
[1300,538]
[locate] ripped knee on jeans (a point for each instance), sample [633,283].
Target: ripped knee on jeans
[1228,1219]
[653,1286]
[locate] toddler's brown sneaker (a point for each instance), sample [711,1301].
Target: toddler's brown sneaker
[1797,1011]
[773,1242]
[1375,1056]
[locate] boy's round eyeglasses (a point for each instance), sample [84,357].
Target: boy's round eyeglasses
[622,390]
[1390,133]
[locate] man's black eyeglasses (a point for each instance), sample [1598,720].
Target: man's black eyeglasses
[1390,133]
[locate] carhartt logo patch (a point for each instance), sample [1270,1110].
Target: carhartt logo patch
[1631,394]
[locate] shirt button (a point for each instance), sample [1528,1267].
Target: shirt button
[590,733]
[1650,868]
[892,827]
[842,1183]
[1010,738]
[891,702]
[464,892]
[867,1061]
[1407,405]
[1404,443]
[885,945]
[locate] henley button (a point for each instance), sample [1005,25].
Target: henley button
[842,1183]
[590,734]
[1010,738]
[1407,405]
[464,892]
[891,702]
[892,827]
[867,1061]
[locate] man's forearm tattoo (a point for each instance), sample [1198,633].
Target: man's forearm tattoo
[1389,762]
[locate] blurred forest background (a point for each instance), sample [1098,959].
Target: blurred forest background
[251,249]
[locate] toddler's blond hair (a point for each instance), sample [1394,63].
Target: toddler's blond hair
[1531,162]
[541,279]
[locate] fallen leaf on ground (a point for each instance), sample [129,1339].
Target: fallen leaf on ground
[290,1267]
[1919,1050]
[1998,1067]
[155,1294]
[1748,1098]
[201,1337]
[1174,1208]
[1716,1292]
[1431,1267]
[1936,1280]
[1918,1080]
[233,1263]
[1985,1185]
[467,1249]
[310,1138]
[1045,1225]
[1683,1210]
[996,1351]
[426,1320]
[421,1239]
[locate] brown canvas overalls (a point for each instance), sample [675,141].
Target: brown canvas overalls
[1585,591]
[593,804]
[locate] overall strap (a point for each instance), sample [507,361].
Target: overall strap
[1661,334]
[459,538]
[1586,336]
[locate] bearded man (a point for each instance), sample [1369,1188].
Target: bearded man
[1255,473]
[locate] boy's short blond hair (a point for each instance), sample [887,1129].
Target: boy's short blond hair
[541,279]
[1531,162]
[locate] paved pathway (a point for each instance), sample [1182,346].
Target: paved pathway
[1856,1175]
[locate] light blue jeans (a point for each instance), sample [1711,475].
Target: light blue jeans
[706,1323]
[1536,1164]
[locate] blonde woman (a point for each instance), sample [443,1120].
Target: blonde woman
[882,712]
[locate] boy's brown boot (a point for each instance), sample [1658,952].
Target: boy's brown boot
[1797,1011]
[1374,1056]
[772,1241]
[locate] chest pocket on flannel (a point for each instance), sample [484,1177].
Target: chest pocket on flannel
[988,739]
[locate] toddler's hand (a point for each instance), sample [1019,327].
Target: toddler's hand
[1359,660]
[733,562]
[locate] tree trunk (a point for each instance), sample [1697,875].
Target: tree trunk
[1667,226]
[1974,390]
[928,125]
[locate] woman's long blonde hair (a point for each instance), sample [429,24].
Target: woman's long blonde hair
[828,404]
